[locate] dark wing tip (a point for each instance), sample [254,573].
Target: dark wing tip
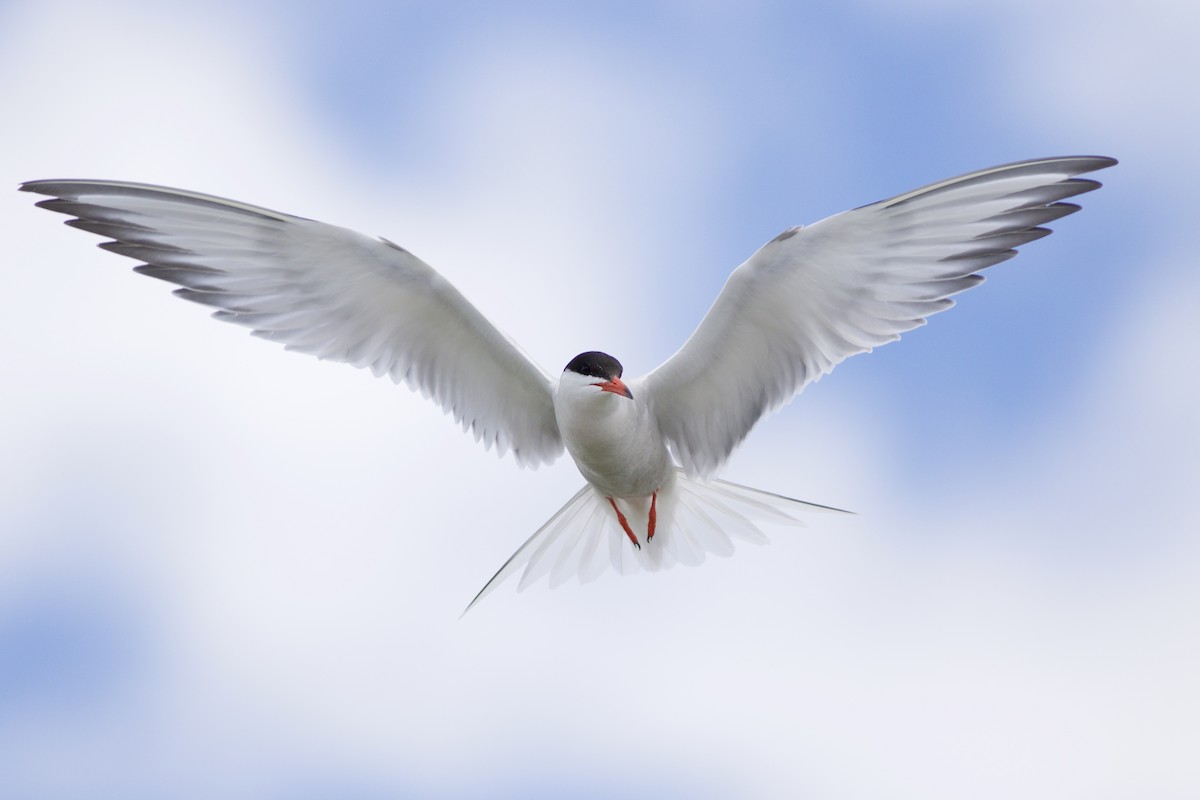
[1099,162]
[53,186]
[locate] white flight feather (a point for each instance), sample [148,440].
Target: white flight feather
[813,296]
[695,518]
[330,292]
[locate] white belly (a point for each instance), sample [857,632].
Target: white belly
[615,443]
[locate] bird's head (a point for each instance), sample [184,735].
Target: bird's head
[596,369]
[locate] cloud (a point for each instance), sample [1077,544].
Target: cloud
[276,549]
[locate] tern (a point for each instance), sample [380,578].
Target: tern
[648,448]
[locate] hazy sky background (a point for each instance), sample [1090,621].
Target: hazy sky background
[229,571]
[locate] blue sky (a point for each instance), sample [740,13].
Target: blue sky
[229,571]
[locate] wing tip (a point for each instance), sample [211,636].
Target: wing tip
[37,187]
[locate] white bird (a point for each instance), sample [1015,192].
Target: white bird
[648,447]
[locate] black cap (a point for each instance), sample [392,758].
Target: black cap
[595,364]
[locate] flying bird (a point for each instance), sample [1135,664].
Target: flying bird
[648,447]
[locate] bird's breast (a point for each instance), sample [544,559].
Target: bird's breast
[615,443]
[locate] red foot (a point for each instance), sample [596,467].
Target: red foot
[653,517]
[624,523]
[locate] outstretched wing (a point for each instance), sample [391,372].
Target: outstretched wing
[813,296]
[330,292]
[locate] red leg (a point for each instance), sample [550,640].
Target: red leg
[653,517]
[624,523]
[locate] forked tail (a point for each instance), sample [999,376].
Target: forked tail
[695,517]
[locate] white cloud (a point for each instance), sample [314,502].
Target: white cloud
[293,530]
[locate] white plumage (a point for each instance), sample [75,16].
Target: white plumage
[796,308]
